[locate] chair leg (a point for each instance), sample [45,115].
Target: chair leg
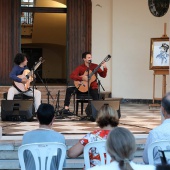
[77,107]
[81,107]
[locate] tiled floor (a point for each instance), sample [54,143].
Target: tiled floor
[138,118]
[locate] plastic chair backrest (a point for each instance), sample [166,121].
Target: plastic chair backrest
[42,154]
[162,146]
[0,132]
[101,148]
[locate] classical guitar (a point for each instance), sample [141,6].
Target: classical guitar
[82,86]
[27,74]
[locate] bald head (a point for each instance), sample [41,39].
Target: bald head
[166,103]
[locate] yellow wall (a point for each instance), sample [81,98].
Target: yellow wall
[49,32]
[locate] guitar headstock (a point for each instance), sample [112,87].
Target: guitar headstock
[41,60]
[108,57]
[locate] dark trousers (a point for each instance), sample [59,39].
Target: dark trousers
[73,90]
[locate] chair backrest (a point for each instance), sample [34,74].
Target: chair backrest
[42,154]
[101,148]
[0,132]
[165,156]
[160,145]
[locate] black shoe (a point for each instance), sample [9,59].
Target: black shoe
[66,112]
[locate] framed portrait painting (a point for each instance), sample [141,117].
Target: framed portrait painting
[159,53]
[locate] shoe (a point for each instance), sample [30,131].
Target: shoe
[66,112]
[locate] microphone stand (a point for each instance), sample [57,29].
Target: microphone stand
[88,71]
[88,75]
[48,92]
[100,85]
[88,95]
[33,87]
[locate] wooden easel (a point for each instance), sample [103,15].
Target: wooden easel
[162,72]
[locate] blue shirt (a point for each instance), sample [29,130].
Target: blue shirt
[17,70]
[38,136]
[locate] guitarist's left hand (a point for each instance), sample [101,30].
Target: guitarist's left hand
[104,64]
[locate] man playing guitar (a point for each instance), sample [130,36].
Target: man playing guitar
[80,75]
[20,61]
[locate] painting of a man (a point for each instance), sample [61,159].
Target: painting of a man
[163,53]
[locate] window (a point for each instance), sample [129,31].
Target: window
[27,17]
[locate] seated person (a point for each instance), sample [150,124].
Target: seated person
[163,167]
[18,78]
[44,133]
[121,146]
[161,132]
[79,75]
[107,120]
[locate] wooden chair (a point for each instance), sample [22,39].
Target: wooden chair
[81,98]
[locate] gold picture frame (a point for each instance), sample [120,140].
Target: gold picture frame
[159,53]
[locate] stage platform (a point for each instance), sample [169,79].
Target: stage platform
[138,118]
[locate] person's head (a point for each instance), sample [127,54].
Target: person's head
[107,116]
[20,58]
[86,56]
[165,105]
[121,146]
[164,47]
[45,114]
[163,167]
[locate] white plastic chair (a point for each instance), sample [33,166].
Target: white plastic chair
[101,148]
[0,132]
[161,144]
[42,154]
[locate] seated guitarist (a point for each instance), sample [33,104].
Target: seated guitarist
[78,75]
[20,61]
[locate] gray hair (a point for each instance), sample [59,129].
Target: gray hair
[121,146]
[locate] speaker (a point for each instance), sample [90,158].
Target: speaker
[17,110]
[97,104]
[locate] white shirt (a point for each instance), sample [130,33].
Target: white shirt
[162,132]
[115,166]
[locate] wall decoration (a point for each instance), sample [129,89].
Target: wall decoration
[159,53]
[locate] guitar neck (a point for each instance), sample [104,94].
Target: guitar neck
[35,67]
[95,70]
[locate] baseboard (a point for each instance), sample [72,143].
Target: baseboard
[140,101]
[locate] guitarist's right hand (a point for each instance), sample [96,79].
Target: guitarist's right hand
[84,78]
[24,80]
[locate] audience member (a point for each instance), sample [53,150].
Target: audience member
[107,119]
[0,132]
[121,146]
[44,133]
[163,167]
[161,132]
